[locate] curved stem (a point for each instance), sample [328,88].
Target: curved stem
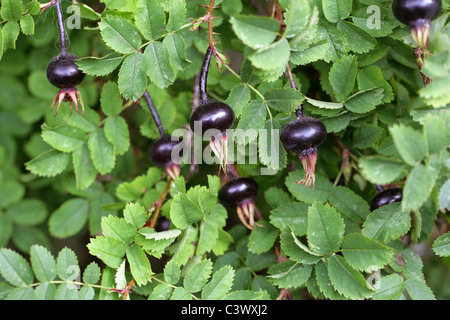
[204,75]
[62,30]
[154,113]
[299,111]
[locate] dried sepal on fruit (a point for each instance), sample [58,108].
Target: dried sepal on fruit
[303,136]
[240,193]
[63,73]
[417,15]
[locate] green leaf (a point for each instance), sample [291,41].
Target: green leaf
[255,31]
[346,280]
[289,274]
[314,52]
[321,192]
[364,101]
[169,234]
[150,19]
[359,41]
[14,268]
[338,45]
[436,133]
[387,223]
[219,285]
[67,264]
[380,169]
[100,67]
[197,277]
[209,232]
[184,211]
[272,57]
[43,263]
[176,47]
[161,292]
[1,43]
[102,151]
[376,23]
[11,10]
[441,246]
[252,119]
[342,76]
[159,68]
[64,138]
[110,99]
[325,229]
[117,228]
[444,196]
[324,283]
[350,204]
[135,214]
[365,254]
[110,251]
[418,290]
[11,31]
[27,25]
[335,10]
[297,251]
[418,187]
[116,131]
[389,288]
[139,264]
[262,237]
[69,218]
[49,163]
[85,172]
[12,192]
[177,14]
[372,77]
[297,16]
[271,151]
[28,212]
[133,76]
[325,104]
[285,100]
[238,98]
[366,135]
[120,34]
[172,272]
[91,274]
[409,143]
[291,216]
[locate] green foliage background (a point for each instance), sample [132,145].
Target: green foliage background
[76,192]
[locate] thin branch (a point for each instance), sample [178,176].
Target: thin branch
[418,54]
[154,113]
[299,111]
[204,75]
[62,30]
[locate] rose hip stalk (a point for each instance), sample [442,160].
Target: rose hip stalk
[417,14]
[240,193]
[62,71]
[162,150]
[212,115]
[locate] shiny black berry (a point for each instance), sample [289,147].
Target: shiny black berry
[63,73]
[303,135]
[161,151]
[385,197]
[212,115]
[238,191]
[163,224]
[412,12]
